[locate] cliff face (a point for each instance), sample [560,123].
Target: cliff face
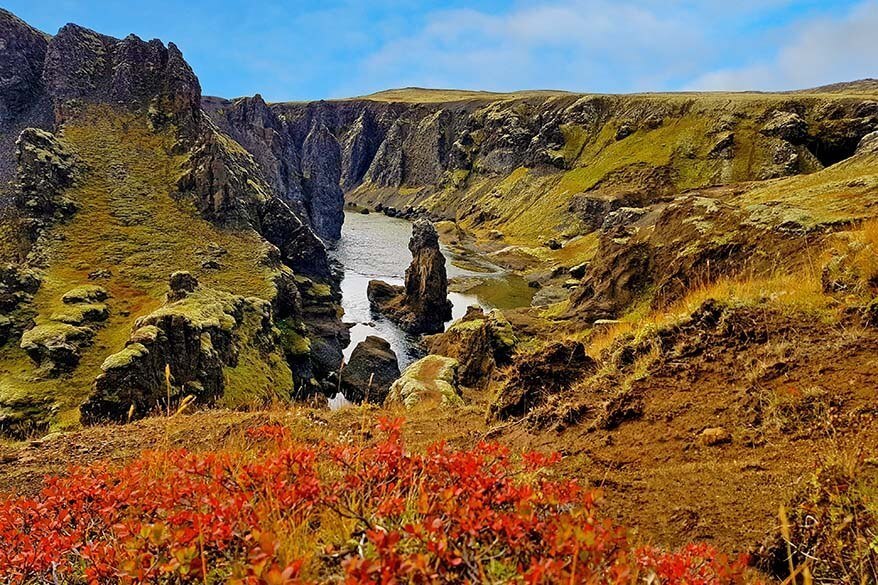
[534,164]
[114,179]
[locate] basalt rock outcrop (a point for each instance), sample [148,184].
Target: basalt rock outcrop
[196,336]
[370,371]
[421,305]
[108,132]
[479,341]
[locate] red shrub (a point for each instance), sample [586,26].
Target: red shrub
[444,516]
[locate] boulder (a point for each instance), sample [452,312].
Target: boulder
[55,346]
[87,293]
[787,126]
[714,436]
[421,305]
[478,341]
[371,370]
[181,284]
[430,381]
[197,337]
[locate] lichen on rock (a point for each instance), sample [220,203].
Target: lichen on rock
[430,381]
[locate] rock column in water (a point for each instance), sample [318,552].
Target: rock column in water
[422,305]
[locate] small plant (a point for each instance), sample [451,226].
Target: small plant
[281,513]
[829,531]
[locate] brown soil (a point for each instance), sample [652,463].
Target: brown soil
[659,477]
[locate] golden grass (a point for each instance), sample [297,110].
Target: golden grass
[800,291]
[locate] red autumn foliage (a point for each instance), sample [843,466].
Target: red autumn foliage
[270,514]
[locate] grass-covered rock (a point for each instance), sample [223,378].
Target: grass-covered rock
[430,381]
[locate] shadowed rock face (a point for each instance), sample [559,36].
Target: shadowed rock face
[84,65]
[373,367]
[426,282]
[321,170]
[21,66]
[80,78]
[422,305]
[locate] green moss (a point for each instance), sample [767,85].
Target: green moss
[293,339]
[125,357]
[428,381]
[85,293]
[129,225]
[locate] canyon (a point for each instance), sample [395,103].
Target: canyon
[676,291]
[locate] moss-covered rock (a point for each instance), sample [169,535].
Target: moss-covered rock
[479,341]
[82,313]
[87,293]
[54,346]
[432,380]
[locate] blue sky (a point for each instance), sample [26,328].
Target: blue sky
[293,50]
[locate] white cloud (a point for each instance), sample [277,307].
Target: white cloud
[818,51]
[569,44]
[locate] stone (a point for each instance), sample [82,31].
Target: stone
[372,368]
[87,293]
[868,144]
[81,313]
[533,377]
[430,381]
[54,346]
[198,337]
[787,126]
[45,169]
[421,305]
[480,342]
[181,284]
[714,436]
[321,172]
[578,271]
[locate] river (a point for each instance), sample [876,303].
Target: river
[374,246]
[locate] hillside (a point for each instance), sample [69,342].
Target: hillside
[125,184]
[700,345]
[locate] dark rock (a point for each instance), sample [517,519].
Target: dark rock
[210,265]
[84,66]
[554,244]
[100,274]
[624,131]
[45,169]
[533,377]
[321,172]
[422,305]
[787,126]
[578,271]
[617,222]
[196,338]
[373,367]
[723,148]
[21,66]
[55,346]
[181,284]
[87,293]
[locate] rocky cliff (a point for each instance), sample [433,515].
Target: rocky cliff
[113,179]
